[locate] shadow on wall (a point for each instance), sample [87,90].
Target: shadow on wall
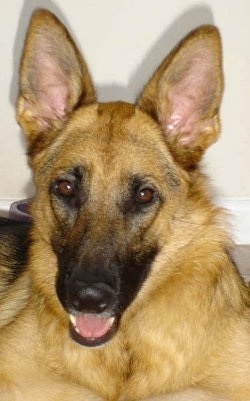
[190,19]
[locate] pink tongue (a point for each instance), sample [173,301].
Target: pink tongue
[93,326]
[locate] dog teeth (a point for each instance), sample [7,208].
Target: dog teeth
[73,320]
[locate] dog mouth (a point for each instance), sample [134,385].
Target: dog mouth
[91,329]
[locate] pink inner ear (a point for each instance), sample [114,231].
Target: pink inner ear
[51,90]
[183,118]
[52,102]
[188,99]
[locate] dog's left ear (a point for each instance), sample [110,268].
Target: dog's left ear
[54,80]
[184,95]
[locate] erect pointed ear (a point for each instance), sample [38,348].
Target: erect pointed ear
[184,95]
[54,79]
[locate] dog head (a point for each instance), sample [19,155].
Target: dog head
[112,179]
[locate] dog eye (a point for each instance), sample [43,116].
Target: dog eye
[145,195]
[65,188]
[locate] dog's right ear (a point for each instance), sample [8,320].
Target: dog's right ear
[54,79]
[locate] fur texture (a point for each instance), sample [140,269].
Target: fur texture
[123,288]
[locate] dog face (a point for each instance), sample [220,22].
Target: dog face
[112,179]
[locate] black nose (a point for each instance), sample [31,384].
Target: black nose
[94,298]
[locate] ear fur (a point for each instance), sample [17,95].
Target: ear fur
[185,93]
[54,79]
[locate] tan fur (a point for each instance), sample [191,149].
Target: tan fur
[186,335]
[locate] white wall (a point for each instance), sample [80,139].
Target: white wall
[123,41]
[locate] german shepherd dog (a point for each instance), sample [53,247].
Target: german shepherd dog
[123,287]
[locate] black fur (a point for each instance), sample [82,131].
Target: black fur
[122,278]
[14,245]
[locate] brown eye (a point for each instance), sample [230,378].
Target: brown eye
[145,195]
[65,188]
